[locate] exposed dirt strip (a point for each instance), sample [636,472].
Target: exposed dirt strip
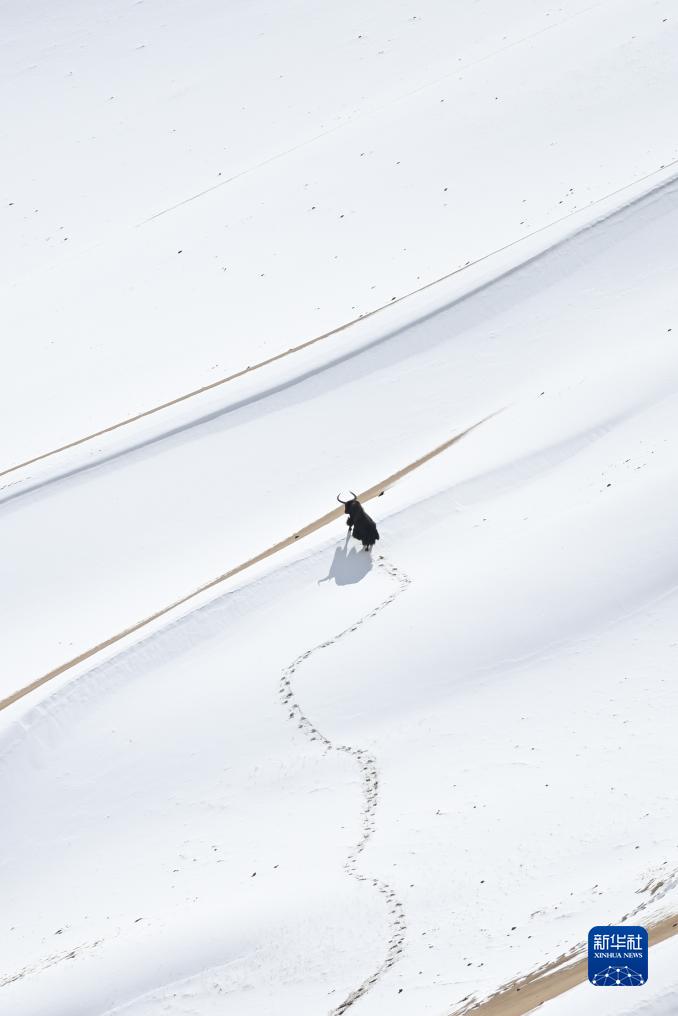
[340,328]
[526,994]
[366,495]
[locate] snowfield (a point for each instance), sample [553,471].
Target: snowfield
[245,767]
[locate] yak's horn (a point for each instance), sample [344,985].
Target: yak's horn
[353,497]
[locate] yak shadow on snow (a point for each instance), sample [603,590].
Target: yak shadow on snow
[348,566]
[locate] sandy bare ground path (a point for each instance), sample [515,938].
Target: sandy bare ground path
[528,993]
[374,491]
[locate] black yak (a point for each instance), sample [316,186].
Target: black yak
[363,527]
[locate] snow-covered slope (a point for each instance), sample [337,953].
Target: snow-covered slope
[310,164]
[389,784]
[564,344]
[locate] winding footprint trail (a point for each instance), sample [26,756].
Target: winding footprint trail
[369,775]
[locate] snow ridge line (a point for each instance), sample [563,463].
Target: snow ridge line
[578,212]
[369,775]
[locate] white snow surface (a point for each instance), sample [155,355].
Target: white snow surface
[397,780]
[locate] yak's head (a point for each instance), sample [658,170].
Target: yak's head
[350,505]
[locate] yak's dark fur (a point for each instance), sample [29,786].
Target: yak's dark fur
[360,524]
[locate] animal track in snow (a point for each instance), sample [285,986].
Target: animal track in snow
[369,774]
